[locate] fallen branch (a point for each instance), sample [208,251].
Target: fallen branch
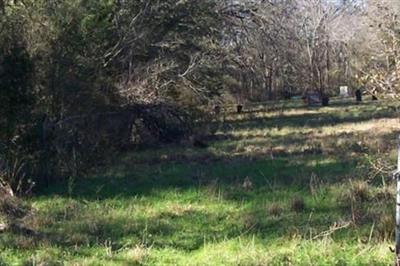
[335,227]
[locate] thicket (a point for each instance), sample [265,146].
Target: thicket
[83,79]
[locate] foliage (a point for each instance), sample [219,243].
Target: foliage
[66,59]
[13,171]
[16,67]
[381,71]
[169,49]
[75,143]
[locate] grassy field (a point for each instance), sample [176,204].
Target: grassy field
[291,186]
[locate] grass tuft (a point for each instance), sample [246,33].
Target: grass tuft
[298,204]
[360,191]
[275,210]
[386,227]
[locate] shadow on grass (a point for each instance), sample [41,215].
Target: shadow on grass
[291,105]
[314,120]
[142,180]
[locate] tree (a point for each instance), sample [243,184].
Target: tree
[379,68]
[16,75]
[288,46]
[169,50]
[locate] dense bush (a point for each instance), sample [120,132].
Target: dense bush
[80,80]
[76,143]
[17,98]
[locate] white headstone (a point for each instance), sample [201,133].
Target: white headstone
[344,91]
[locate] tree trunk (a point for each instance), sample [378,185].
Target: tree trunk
[328,63]
[268,82]
[2,7]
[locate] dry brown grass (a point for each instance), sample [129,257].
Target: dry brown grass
[359,191]
[137,254]
[351,138]
[385,227]
[275,210]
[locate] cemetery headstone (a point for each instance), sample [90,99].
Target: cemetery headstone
[313,98]
[239,108]
[344,91]
[358,96]
[325,100]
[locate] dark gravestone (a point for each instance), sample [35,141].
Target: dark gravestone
[239,108]
[325,100]
[358,96]
[312,98]
[287,95]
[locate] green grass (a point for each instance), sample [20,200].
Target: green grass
[232,203]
